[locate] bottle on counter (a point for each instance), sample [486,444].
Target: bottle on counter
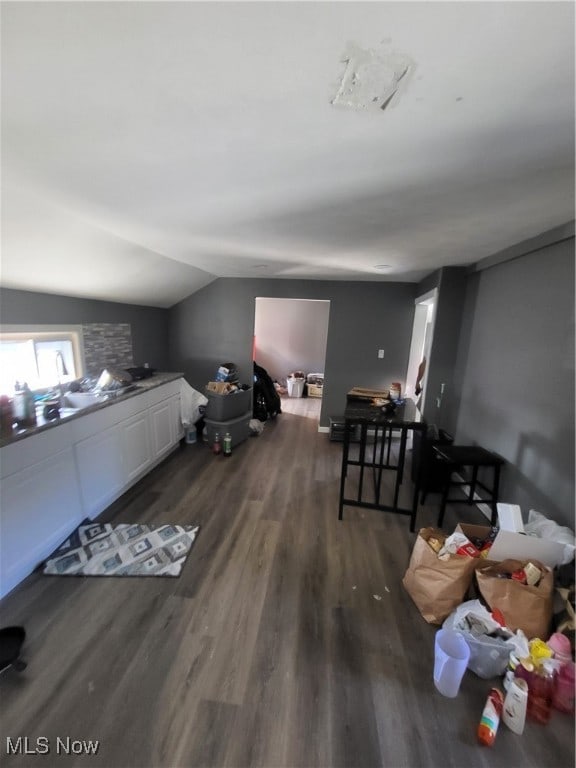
[24,406]
[490,719]
[216,446]
[227,445]
[6,416]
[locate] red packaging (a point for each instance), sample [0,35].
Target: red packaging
[519,576]
[468,549]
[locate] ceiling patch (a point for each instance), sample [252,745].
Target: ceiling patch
[373,79]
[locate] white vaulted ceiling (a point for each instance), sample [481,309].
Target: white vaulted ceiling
[149,147]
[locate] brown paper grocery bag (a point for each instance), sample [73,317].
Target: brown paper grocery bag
[436,586]
[523,607]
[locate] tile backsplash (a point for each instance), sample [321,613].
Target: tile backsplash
[107,345]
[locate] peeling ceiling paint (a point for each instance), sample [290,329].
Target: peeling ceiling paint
[373,79]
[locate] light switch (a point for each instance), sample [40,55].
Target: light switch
[381,354]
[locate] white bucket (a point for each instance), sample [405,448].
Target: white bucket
[295,387]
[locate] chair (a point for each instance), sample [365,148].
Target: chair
[456,458]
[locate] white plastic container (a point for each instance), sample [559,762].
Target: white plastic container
[451,655]
[295,386]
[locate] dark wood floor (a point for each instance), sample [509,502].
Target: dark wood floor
[288,640]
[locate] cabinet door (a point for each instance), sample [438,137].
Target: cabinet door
[135,446]
[163,426]
[176,417]
[40,506]
[100,469]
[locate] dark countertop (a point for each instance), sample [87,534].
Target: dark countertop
[406,414]
[68,414]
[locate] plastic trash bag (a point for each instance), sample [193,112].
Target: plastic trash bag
[490,644]
[191,403]
[540,526]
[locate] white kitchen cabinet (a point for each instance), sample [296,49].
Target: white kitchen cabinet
[136,454]
[176,417]
[162,428]
[100,469]
[53,480]
[41,505]
[165,425]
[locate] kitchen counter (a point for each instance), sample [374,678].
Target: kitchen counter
[68,414]
[59,473]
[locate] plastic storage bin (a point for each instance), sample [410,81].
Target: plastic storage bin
[238,428]
[230,406]
[295,387]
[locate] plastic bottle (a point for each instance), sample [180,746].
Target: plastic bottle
[216,446]
[24,406]
[560,645]
[515,705]
[490,719]
[227,445]
[30,406]
[540,688]
[563,695]
[6,416]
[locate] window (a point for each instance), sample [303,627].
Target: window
[42,356]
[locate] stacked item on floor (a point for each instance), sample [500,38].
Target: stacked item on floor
[295,384]
[315,384]
[229,407]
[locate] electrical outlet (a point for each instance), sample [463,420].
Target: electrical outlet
[381,354]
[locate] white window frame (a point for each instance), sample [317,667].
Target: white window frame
[71,333]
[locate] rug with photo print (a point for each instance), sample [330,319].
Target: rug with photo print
[123,550]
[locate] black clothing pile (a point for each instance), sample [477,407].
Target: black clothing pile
[266,401]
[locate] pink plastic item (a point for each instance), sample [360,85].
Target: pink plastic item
[563,696]
[560,645]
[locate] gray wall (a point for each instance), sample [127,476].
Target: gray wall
[149,325]
[291,335]
[216,325]
[515,376]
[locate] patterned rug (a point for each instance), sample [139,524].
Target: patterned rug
[123,550]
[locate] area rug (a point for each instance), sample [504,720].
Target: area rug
[123,550]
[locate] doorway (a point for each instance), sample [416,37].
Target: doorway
[421,344]
[291,335]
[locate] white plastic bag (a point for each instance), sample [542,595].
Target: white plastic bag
[488,655]
[540,526]
[190,404]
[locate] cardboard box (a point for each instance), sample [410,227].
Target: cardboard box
[513,544]
[314,390]
[220,387]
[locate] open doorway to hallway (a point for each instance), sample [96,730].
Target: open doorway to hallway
[422,333]
[290,335]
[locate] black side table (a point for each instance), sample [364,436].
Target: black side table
[456,457]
